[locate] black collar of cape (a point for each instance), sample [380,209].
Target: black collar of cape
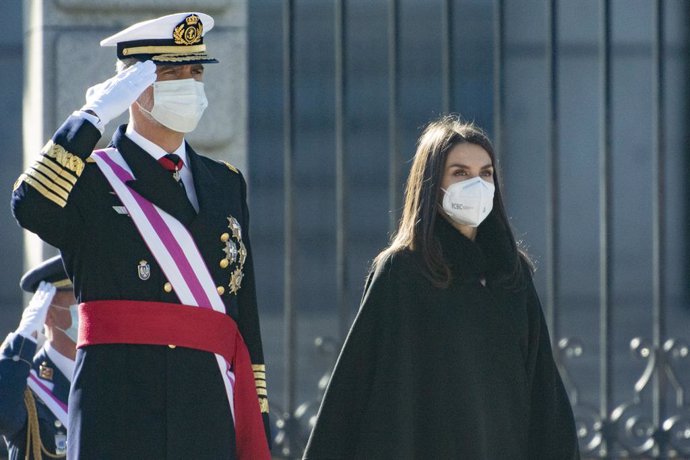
[490,256]
[157,185]
[60,382]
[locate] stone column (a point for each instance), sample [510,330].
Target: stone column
[64,58]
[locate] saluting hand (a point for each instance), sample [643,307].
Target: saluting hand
[35,313]
[112,97]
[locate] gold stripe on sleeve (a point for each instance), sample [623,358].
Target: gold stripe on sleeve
[259,367]
[47,183]
[263,404]
[52,176]
[261,392]
[260,384]
[65,174]
[63,157]
[259,375]
[43,191]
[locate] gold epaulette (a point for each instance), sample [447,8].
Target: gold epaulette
[231,167]
[260,381]
[54,173]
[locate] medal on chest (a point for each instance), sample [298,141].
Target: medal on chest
[235,254]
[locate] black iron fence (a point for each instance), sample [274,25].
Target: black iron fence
[623,410]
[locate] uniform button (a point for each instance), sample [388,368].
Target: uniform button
[58,424]
[15,358]
[167,287]
[221,290]
[224,263]
[224,237]
[172,346]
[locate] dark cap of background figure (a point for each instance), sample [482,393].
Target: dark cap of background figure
[50,270]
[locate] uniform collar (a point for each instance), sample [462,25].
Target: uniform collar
[152,181]
[152,149]
[63,363]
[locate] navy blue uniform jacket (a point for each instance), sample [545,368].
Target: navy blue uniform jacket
[15,355]
[138,401]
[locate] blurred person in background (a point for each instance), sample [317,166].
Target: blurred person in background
[35,377]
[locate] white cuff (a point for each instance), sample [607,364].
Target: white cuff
[94,120]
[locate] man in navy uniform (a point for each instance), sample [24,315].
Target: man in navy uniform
[155,239]
[34,385]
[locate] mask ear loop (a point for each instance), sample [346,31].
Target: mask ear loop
[441,210]
[60,307]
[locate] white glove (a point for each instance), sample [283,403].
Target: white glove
[35,313]
[112,97]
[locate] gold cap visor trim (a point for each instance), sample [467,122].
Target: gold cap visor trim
[62,283]
[195,57]
[182,49]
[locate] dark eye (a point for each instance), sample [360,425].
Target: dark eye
[459,172]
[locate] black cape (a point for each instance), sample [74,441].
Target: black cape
[464,372]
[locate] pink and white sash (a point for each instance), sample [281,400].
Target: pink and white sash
[171,245]
[45,393]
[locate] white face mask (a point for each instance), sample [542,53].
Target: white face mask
[469,202]
[178,104]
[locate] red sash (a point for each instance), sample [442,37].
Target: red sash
[159,323]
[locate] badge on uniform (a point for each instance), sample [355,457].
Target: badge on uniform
[235,227]
[144,270]
[235,254]
[236,280]
[121,210]
[230,251]
[60,443]
[45,372]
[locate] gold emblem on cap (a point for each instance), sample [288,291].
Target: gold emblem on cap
[167,287]
[189,31]
[45,372]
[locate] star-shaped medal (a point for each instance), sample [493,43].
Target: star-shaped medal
[235,227]
[236,281]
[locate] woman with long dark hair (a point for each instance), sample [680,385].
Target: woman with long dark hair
[449,356]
